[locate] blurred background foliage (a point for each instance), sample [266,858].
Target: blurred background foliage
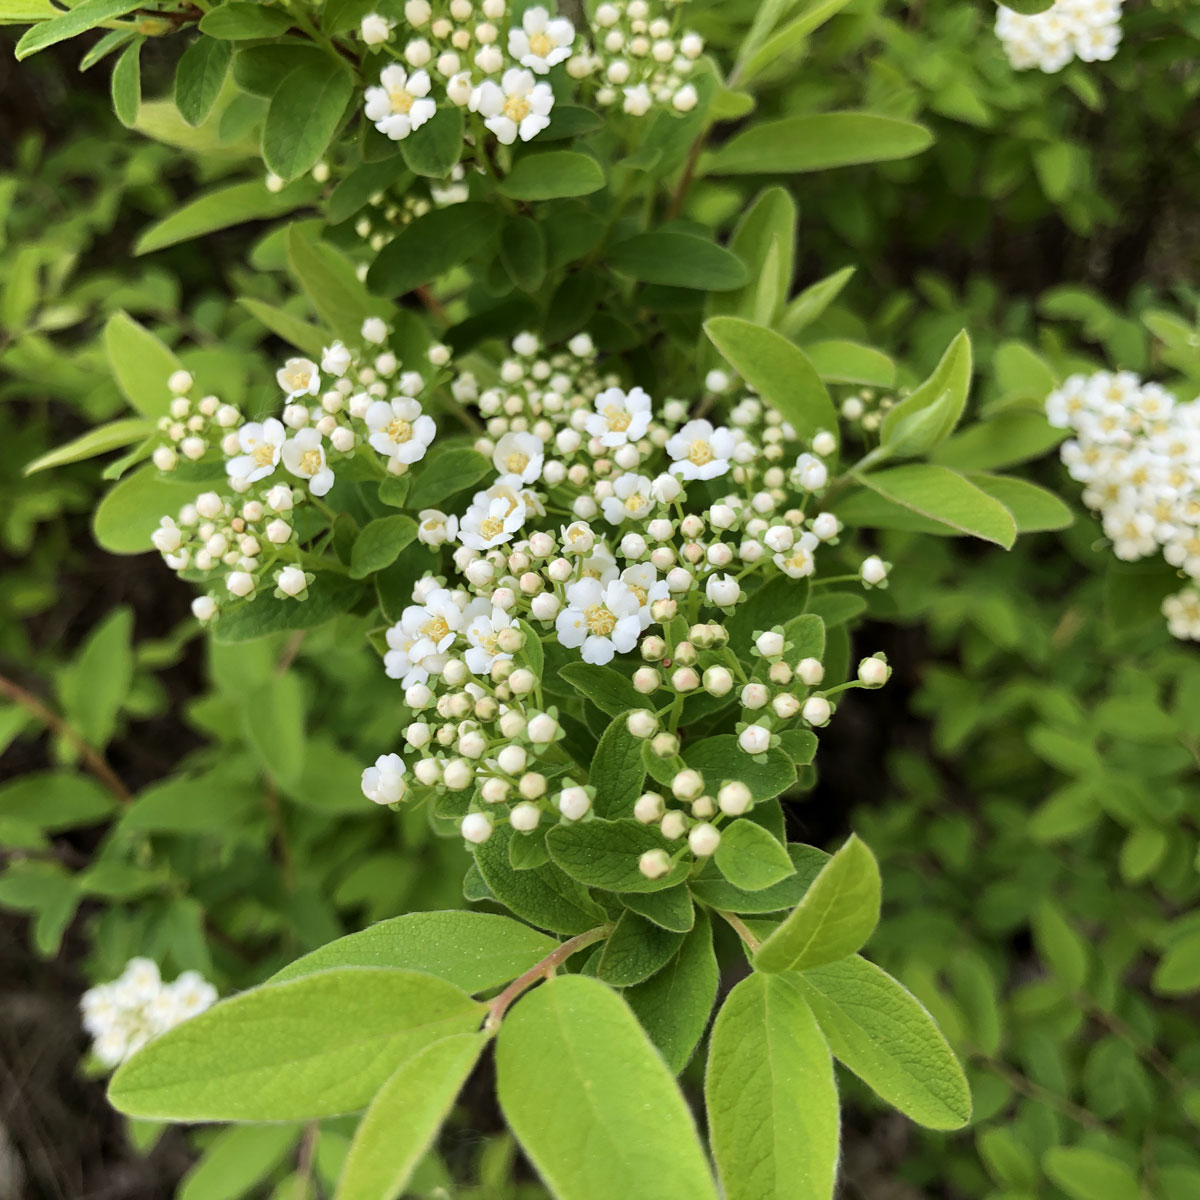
[1029,780]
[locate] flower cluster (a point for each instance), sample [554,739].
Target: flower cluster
[247,531]
[122,1016]
[612,527]
[1086,29]
[385,213]
[494,62]
[1137,453]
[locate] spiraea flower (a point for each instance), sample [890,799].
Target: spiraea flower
[700,451]
[1086,29]
[304,456]
[600,619]
[494,517]
[540,42]
[620,418]
[400,103]
[261,445]
[399,430]
[518,106]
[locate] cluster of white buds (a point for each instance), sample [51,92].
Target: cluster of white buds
[386,214]
[866,409]
[192,427]
[1136,450]
[361,403]
[122,1016]
[494,61]
[1089,30]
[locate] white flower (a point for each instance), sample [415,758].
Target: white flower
[519,457]
[261,445]
[299,377]
[873,570]
[418,642]
[399,429]
[637,100]
[375,29]
[400,103]
[632,499]
[493,518]
[304,457]
[336,359]
[700,451]
[384,783]
[435,528]
[722,590]
[643,581]
[798,562]
[484,626]
[375,331]
[516,106]
[602,619]
[620,417]
[539,42]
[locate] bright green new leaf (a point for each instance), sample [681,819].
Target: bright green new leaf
[590,1100]
[306,337]
[131,510]
[240,20]
[404,1118]
[472,950]
[273,719]
[94,687]
[813,301]
[200,77]
[330,282]
[837,915]
[604,854]
[790,37]
[127,83]
[552,175]
[222,208]
[713,889]
[764,239]
[778,371]
[432,245]
[940,496]
[141,365]
[208,803]
[1178,971]
[928,416]
[816,143]
[672,909]
[881,1031]
[677,258]
[1085,1174]
[313,1047]
[96,441]
[70,24]
[237,1160]
[1033,508]
[770,1094]
[329,595]
[304,115]
[750,858]
[838,360]
[1009,438]
[379,544]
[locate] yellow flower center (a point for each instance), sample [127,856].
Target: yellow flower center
[491,527]
[263,454]
[599,620]
[517,462]
[635,502]
[618,419]
[640,593]
[300,381]
[700,452]
[517,108]
[399,430]
[540,44]
[435,628]
[401,100]
[310,462]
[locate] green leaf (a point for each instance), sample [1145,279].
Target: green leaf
[552,175]
[431,246]
[778,371]
[674,1005]
[577,1080]
[1178,971]
[943,497]
[96,441]
[790,37]
[130,511]
[305,337]
[329,280]
[750,858]
[816,143]
[312,1047]
[199,78]
[1060,946]
[433,150]
[838,360]
[604,854]
[273,719]
[55,800]
[813,301]
[610,691]
[1033,508]
[329,596]
[127,84]
[710,887]
[836,608]
[239,20]
[236,1160]
[837,915]
[70,24]
[879,1029]
[304,114]
[445,471]
[379,544]
[141,365]
[720,759]
[769,1091]
[543,896]
[617,771]
[356,189]
[1009,438]
[1028,7]
[672,908]
[472,950]
[95,686]
[209,803]
[523,252]
[404,1118]
[764,240]
[678,259]
[635,950]
[928,416]
[1085,1174]
[222,208]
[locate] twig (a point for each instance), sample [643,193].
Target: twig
[742,929]
[539,971]
[92,758]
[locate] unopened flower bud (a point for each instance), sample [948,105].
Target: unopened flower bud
[687,784]
[525,818]
[817,710]
[755,739]
[654,864]
[874,672]
[573,803]
[648,808]
[734,798]
[704,840]
[476,827]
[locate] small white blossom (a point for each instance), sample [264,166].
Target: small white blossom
[700,451]
[400,103]
[399,429]
[261,446]
[384,783]
[517,106]
[600,620]
[540,41]
[304,456]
